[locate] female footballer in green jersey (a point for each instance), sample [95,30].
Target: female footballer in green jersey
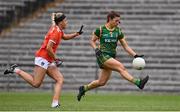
[108,36]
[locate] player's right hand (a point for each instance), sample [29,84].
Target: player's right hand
[80,30]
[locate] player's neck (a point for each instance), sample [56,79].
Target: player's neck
[109,27]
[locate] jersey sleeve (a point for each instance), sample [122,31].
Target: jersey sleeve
[97,32]
[121,34]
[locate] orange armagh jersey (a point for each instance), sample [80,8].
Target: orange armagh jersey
[54,35]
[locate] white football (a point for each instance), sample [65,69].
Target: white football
[138,63]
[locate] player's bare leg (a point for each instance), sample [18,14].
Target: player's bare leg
[104,77]
[35,80]
[54,73]
[117,66]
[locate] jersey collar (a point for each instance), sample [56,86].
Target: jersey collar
[111,30]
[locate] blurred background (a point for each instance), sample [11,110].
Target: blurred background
[151,27]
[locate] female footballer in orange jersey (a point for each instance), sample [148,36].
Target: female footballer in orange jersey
[46,61]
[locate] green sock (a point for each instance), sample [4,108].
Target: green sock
[136,82]
[86,88]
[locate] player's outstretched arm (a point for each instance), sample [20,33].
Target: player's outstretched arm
[73,35]
[126,47]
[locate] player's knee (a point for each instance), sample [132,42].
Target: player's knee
[60,80]
[121,69]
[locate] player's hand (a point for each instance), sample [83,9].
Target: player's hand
[136,56]
[80,30]
[98,52]
[58,62]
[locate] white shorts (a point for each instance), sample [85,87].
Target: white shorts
[39,61]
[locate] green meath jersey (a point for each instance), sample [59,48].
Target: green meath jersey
[108,39]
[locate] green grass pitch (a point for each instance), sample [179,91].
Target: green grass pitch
[30,101]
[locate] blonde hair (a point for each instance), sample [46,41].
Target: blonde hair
[57,17]
[53,18]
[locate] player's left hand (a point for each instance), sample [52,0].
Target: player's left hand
[136,56]
[80,30]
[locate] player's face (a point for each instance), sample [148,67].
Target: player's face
[64,23]
[115,21]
